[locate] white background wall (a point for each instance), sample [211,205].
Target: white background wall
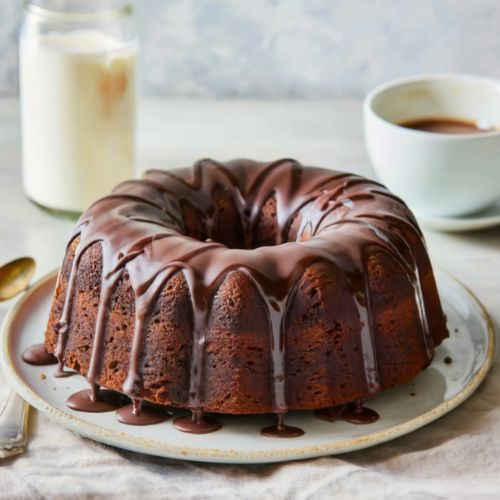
[294,48]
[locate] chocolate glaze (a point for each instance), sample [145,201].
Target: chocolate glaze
[280,430]
[141,231]
[136,413]
[197,423]
[38,355]
[356,413]
[106,400]
[61,373]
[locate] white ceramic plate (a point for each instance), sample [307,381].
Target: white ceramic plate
[436,391]
[482,220]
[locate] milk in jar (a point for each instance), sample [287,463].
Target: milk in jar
[78,101]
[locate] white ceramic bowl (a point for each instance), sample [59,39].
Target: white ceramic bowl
[436,174]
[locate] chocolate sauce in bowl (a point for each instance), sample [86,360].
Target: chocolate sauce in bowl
[446,125]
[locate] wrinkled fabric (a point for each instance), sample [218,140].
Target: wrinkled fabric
[457,456]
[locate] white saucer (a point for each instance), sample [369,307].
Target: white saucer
[436,391]
[482,220]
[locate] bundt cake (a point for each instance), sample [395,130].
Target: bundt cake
[246,287]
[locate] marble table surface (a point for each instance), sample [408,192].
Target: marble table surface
[456,456]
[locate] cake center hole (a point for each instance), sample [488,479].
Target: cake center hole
[223,222]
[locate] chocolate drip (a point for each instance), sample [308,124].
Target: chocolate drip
[38,355]
[362,301]
[200,306]
[140,228]
[63,373]
[277,308]
[355,413]
[108,283]
[408,264]
[61,329]
[105,400]
[62,326]
[280,430]
[412,271]
[197,423]
[136,413]
[143,300]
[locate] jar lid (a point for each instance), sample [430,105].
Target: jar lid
[79,10]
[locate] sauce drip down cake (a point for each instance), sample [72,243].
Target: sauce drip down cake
[246,288]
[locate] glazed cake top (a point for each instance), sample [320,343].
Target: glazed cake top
[320,215]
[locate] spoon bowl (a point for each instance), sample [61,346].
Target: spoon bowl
[15,276]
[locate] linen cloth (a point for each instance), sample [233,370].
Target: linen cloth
[457,456]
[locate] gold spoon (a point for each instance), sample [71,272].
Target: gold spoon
[15,276]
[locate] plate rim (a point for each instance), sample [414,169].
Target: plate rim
[234,456]
[458,224]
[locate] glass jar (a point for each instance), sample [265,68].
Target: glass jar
[78,100]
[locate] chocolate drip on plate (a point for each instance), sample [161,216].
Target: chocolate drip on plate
[38,355]
[197,423]
[136,413]
[355,413]
[280,430]
[63,373]
[105,400]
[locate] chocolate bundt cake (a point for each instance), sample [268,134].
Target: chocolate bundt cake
[246,287]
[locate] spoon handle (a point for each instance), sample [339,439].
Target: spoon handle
[13,426]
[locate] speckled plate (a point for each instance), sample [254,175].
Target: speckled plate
[436,391]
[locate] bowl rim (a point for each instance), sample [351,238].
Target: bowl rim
[420,78]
